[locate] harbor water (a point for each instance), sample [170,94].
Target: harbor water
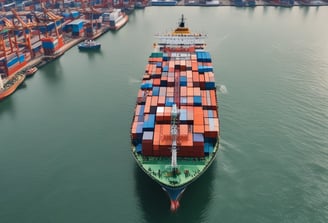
[65,146]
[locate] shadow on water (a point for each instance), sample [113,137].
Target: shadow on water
[7,105]
[155,204]
[92,55]
[305,10]
[53,71]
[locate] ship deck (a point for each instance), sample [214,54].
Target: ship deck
[189,168]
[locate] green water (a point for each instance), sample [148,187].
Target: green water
[64,151]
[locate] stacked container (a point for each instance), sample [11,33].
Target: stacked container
[77,28]
[51,44]
[195,96]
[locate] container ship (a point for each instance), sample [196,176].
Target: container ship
[175,127]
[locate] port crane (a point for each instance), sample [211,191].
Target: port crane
[91,14]
[8,32]
[12,58]
[49,21]
[26,28]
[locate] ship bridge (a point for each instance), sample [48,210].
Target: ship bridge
[178,40]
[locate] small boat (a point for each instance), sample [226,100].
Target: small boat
[29,72]
[89,45]
[164,2]
[9,87]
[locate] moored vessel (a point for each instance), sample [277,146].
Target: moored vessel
[9,87]
[89,45]
[31,71]
[175,127]
[117,19]
[163,2]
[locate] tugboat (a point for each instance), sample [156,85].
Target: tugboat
[31,71]
[10,85]
[89,45]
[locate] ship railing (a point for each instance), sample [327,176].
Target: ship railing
[176,40]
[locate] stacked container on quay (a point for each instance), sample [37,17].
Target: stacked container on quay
[175,128]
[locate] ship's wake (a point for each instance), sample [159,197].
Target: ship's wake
[222,89]
[134,81]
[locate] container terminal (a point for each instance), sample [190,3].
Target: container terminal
[33,33]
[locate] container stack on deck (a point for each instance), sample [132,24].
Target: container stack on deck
[196,96]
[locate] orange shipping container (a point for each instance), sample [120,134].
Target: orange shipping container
[198,116]
[194,66]
[190,100]
[154,100]
[197,91]
[183,91]
[183,131]
[167,114]
[147,105]
[198,128]
[189,74]
[156,81]
[213,98]
[161,100]
[190,91]
[158,70]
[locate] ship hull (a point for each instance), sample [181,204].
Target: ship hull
[30,72]
[120,23]
[174,192]
[163,3]
[89,48]
[11,89]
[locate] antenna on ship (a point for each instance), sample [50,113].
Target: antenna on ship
[182,23]
[174,134]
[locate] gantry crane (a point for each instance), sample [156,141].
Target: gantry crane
[26,28]
[43,21]
[13,53]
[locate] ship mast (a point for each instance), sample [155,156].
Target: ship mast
[1,83]
[174,134]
